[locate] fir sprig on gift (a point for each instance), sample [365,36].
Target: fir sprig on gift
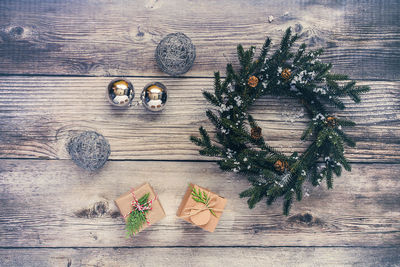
[201,197]
[136,218]
[238,140]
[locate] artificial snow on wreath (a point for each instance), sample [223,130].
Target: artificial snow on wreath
[238,141]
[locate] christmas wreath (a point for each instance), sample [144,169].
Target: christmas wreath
[238,140]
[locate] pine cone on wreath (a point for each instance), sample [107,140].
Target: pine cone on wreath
[253,81]
[286,73]
[331,121]
[281,166]
[256,133]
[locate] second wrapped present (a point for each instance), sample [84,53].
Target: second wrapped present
[201,207]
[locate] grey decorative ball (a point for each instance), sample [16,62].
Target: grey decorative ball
[89,150]
[175,54]
[154,96]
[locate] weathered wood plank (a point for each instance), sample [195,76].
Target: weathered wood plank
[39,114]
[53,203]
[119,37]
[191,257]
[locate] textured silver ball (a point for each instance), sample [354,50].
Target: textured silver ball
[154,96]
[120,92]
[89,150]
[175,54]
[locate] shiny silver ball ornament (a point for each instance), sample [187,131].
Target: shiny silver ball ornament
[120,92]
[154,96]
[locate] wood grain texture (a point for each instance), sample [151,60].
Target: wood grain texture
[192,257]
[119,37]
[54,214]
[53,203]
[40,114]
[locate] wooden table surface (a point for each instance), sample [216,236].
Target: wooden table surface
[57,57]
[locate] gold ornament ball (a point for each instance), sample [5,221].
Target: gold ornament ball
[154,96]
[120,92]
[286,73]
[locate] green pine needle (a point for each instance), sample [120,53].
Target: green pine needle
[137,219]
[202,197]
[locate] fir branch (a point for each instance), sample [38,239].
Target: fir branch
[258,65]
[255,193]
[213,118]
[299,54]
[136,218]
[211,98]
[355,92]
[218,87]
[201,197]
[287,203]
[345,138]
[346,123]
[308,130]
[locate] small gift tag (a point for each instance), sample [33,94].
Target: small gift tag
[202,217]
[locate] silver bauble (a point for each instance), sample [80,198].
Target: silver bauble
[120,92]
[154,96]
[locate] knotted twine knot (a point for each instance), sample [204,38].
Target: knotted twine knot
[192,211]
[139,207]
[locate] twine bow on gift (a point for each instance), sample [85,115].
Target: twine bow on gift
[136,206]
[203,203]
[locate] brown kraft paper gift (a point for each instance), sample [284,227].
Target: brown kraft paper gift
[124,204]
[203,219]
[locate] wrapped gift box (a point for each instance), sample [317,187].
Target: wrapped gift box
[200,214]
[124,204]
